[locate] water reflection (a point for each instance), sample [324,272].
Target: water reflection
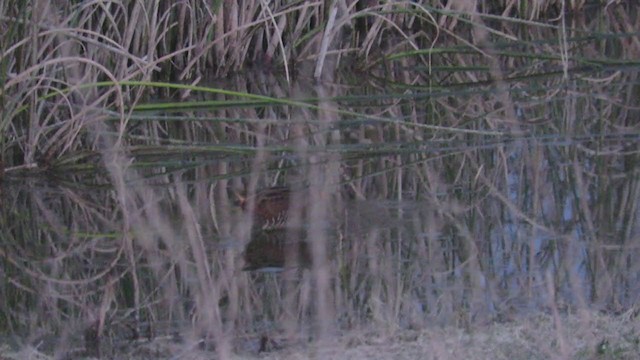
[270,250]
[443,243]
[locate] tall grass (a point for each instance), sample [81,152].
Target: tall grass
[487,163]
[50,50]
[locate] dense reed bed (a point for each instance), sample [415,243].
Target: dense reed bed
[61,62]
[455,166]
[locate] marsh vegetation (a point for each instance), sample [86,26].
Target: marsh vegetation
[466,179]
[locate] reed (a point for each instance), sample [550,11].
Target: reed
[497,169]
[48,60]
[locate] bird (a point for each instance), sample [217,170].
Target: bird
[271,207]
[273,245]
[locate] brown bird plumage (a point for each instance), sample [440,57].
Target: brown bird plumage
[274,246]
[271,207]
